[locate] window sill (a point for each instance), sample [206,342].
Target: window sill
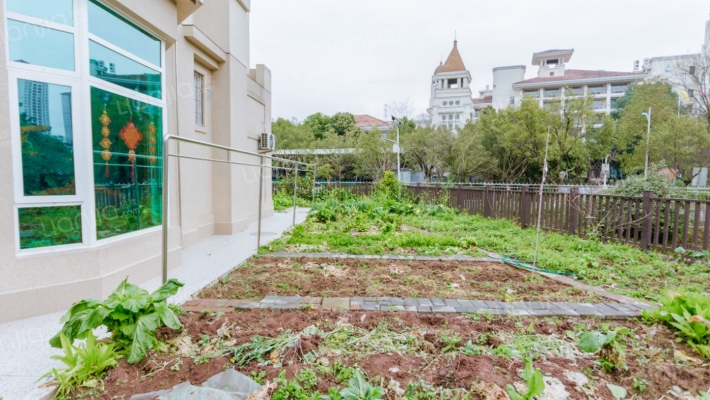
[200,129]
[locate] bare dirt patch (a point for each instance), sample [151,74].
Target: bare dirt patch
[424,357]
[326,277]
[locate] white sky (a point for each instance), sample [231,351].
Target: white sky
[357,55]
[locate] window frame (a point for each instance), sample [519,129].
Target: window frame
[81,82]
[199,98]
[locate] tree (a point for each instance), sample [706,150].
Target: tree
[466,156]
[340,156]
[290,135]
[683,144]
[398,109]
[374,156]
[427,148]
[632,127]
[692,76]
[342,123]
[318,123]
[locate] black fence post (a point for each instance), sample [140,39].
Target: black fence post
[459,197]
[524,207]
[647,221]
[488,202]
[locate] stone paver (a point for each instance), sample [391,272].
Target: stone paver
[447,306]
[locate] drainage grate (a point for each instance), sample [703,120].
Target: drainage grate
[266,234]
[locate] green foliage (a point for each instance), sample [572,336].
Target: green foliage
[612,351]
[358,389]
[617,391]
[304,190]
[451,343]
[635,185]
[533,379]
[291,390]
[130,313]
[261,346]
[389,187]
[85,364]
[689,313]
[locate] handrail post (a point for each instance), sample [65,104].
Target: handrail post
[295,192]
[261,200]
[165,211]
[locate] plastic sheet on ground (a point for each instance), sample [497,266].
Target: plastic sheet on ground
[227,385]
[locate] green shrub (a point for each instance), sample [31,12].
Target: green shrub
[130,313]
[689,313]
[85,364]
[534,381]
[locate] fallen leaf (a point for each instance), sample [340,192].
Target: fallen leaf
[698,318]
[463,278]
[679,355]
[275,357]
[617,391]
[491,391]
[394,370]
[184,345]
[263,393]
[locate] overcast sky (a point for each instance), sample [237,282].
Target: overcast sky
[357,55]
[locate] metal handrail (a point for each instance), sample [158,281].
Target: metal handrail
[262,157]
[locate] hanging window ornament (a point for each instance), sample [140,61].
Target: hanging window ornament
[105,143]
[131,137]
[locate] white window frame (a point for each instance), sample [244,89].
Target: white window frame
[199,93]
[81,83]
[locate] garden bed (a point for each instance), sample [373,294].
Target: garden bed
[327,277]
[418,355]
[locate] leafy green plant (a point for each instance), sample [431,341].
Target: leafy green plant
[358,389]
[130,313]
[451,343]
[689,313]
[260,346]
[290,390]
[533,379]
[85,364]
[639,384]
[258,377]
[613,353]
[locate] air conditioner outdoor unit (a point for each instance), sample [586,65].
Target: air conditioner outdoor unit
[268,142]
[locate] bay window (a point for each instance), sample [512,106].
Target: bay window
[87,114]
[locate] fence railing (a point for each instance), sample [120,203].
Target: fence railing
[646,221]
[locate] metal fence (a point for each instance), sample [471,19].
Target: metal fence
[646,221]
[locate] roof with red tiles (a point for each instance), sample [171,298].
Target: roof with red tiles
[454,63]
[578,74]
[368,121]
[483,100]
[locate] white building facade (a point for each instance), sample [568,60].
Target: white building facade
[450,103]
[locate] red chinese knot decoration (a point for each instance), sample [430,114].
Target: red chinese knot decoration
[152,140]
[131,137]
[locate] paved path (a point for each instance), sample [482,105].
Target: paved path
[419,305]
[25,353]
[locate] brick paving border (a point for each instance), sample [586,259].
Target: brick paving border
[393,304]
[493,257]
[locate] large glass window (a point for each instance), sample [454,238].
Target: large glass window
[122,71]
[127,147]
[49,226]
[54,11]
[109,26]
[199,99]
[37,45]
[47,137]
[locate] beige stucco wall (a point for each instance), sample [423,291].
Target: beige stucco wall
[215,198]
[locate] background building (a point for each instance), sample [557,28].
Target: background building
[450,103]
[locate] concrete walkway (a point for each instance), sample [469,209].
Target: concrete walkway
[25,353]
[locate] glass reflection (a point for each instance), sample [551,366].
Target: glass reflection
[49,226]
[127,146]
[117,69]
[47,137]
[37,45]
[55,11]
[105,24]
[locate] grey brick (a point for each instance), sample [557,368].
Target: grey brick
[466,303]
[564,313]
[480,304]
[370,306]
[443,309]
[392,308]
[370,299]
[438,302]
[563,306]
[424,302]
[357,301]
[269,299]
[621,314]
[397,301]
[452,303]
[494,304]
[522,306]
[541,313]
[411,302]
[410,308]
[519,312]
[588,312]
[460,309]
[620,307]
[473,310]
[424,309]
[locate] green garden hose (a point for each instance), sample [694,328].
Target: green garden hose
[517,263]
